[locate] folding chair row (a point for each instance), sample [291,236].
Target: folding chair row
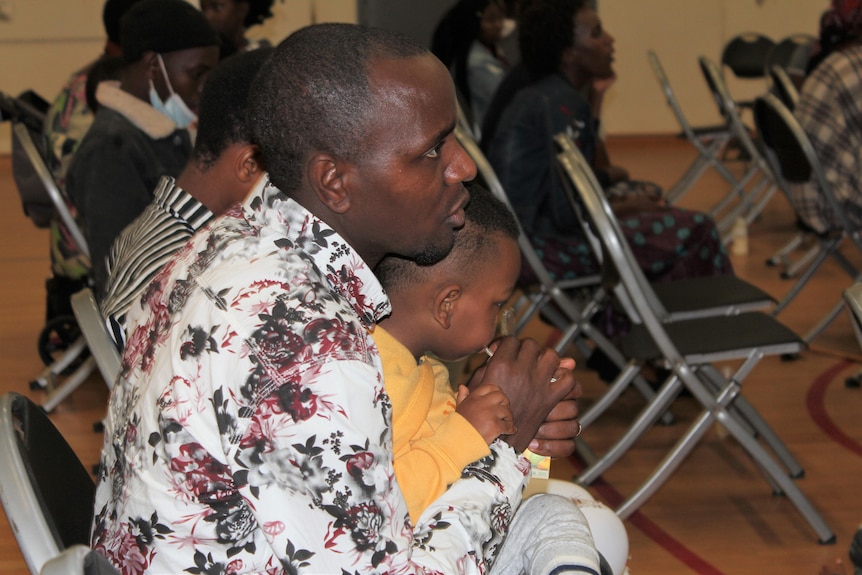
[688,348]
[794,161]
[750,192]
[684,299]
[742,201]
[43,201]
[708,141]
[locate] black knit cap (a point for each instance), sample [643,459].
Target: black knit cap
[163,26]
[111,14]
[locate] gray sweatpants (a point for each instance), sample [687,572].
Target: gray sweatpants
[548,536]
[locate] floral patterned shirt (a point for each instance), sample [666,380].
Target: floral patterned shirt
[250,432]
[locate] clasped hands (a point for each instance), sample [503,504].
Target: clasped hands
[541,390]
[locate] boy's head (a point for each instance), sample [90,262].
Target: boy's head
[452,307]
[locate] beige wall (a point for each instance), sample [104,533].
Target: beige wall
[680,31]
[44,41]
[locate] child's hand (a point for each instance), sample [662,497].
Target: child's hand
[487,409]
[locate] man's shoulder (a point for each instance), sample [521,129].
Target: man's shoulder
[270,296]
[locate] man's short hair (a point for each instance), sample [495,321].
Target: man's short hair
[313,94]
[486,217]
[163,26]
[222,120]
[546,29]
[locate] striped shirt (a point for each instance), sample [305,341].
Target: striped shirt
[145,246]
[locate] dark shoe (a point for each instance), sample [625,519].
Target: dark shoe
[603,365]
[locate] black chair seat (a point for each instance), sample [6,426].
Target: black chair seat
[711,293]
[734,335]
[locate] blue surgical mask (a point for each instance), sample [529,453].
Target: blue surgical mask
[174,107]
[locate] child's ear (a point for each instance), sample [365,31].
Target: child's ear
[445,304]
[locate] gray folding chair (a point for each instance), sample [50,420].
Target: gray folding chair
[102,346]
[708,141]
[42,200]
[783,87]
[745,55]
[740,202]
[556,300]
[549,296]
[683,299]
[688,349]
[791,55]
[785,90]
[46,492]
[794,160]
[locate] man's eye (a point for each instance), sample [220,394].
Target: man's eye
[435,152]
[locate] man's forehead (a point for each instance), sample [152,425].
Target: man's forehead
[387,70]
[417,78]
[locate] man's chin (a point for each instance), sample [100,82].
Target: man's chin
[433,254]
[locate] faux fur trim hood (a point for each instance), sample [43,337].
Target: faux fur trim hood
[149,120]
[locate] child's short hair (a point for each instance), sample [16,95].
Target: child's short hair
[485,216]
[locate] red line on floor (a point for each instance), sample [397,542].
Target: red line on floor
[816,402]
[651,529]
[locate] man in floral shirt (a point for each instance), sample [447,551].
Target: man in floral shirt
[249,431]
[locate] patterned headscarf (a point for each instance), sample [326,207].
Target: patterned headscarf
[840,23]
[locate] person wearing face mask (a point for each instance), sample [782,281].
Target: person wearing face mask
[144,125]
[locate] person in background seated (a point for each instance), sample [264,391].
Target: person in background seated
[223,169]
[568,54]
[231,19]
[467,41]
[451,310]
[70,116]
[249,430]
[141,129]
[68,120]
[830,112]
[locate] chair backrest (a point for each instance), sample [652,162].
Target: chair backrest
[552,288]
[727,109]
[783,87]
[492,182]
[791,54]
[99,339]
[746,54]
[46,492]
[658,71]
[40,195]
[647,309]
[790,150]
[606,232]
[30,110]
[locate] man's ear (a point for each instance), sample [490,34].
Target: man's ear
[327,177]
[248,164]
[445,304]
